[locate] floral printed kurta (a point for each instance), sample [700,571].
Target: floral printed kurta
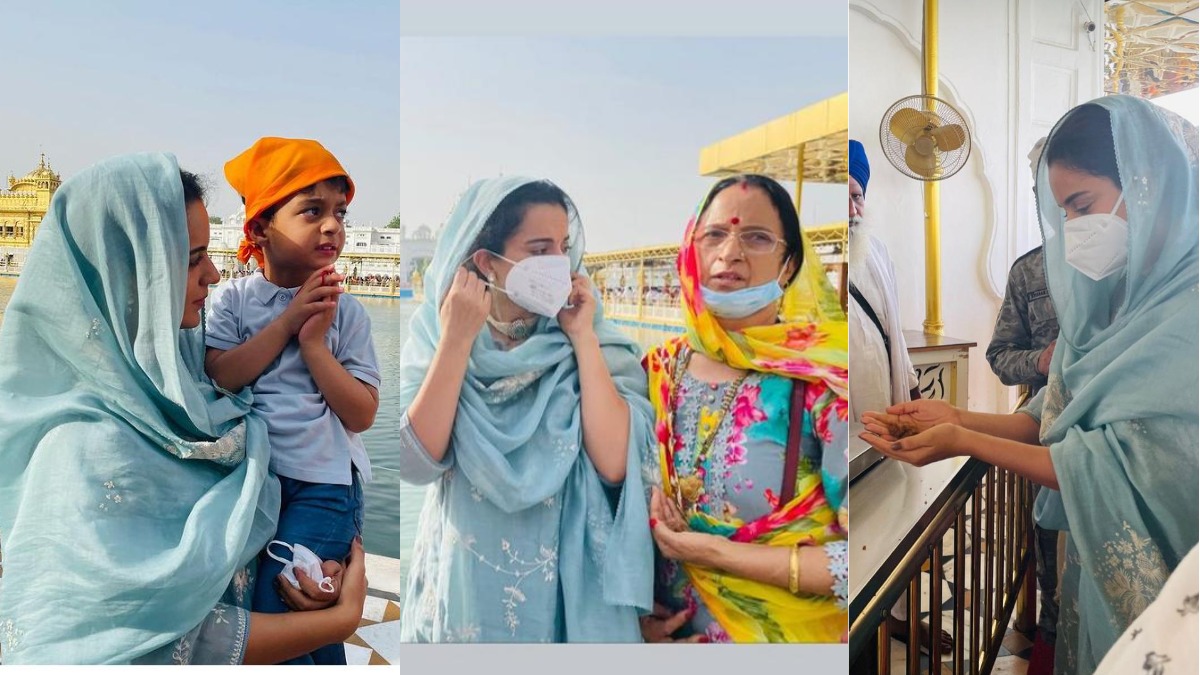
[743,470]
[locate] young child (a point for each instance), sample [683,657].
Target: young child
[303,348]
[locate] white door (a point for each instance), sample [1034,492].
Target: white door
[1060,65]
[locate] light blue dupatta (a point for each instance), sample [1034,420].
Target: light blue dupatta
[130,489]
[1119,412]
[522,514]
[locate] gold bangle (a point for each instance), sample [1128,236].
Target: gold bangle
[794,571]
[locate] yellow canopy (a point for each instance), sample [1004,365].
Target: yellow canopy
[813,139]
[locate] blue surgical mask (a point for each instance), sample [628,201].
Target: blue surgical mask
[741,303]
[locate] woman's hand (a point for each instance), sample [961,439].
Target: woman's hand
[310,596]
[465,307]
[672,535]
[278,637]
[576,321]
[353,588]
[913,417]
[933,445]
[662,624]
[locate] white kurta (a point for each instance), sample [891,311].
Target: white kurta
[872,385]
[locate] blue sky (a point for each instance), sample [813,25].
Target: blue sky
[617,122]
[85,80]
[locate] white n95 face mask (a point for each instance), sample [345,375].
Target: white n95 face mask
[304,559]
[540,283]
[1097,244]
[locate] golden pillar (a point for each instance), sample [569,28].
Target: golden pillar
[933,239]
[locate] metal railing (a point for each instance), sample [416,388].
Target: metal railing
[978,535]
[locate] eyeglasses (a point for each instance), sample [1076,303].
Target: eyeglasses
[753,242]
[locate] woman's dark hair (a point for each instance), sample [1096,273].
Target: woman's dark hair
[511,210]
[193,187]
[1084,142]
[782,202]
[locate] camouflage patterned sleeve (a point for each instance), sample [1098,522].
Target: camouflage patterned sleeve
[1011,352]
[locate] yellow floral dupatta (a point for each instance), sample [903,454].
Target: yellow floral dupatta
[808,344]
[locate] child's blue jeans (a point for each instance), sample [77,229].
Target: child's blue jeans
[325,519]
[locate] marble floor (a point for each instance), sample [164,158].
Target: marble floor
[1015,649]
[377,640]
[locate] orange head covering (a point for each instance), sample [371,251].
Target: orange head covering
[272,170]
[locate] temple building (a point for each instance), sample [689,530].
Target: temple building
[22,207]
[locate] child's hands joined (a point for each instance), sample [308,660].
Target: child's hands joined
[316,300]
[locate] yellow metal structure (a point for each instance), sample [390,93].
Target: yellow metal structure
[807,145]
[819,235]
[25,203]
[639,286]
[933,234]
[636,284]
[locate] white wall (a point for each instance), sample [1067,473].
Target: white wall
[986,49]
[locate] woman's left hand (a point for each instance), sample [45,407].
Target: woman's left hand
[310,596]
[576,320]
[674,538]
[932,445]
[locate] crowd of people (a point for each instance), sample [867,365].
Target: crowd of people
[370,280]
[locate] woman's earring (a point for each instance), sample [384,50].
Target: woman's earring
[491,277]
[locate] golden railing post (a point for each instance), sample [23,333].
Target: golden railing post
[976,545]
[914,625]
[936,571]
[883,648]
[960,589]
[1026,607]
[989,594]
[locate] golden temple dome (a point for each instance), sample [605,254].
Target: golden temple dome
[42,177]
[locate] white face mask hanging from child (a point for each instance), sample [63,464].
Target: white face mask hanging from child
[303,559]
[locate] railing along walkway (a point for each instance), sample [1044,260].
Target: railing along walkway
[978,536]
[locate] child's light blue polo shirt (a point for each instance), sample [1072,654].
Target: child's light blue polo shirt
[308,441]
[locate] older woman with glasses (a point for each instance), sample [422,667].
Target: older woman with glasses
[751,424]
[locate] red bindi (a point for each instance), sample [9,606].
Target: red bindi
[735,220]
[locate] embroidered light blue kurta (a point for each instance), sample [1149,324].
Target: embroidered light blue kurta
[519,540]
[132,493]
[1119,410]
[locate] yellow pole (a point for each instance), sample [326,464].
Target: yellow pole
[933,242]
[1119,58]
[641,287]
[799,175]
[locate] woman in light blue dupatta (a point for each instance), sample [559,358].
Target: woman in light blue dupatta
[1114,432]
[133,495]
[532,433]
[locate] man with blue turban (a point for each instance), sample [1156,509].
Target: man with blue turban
[882,372]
